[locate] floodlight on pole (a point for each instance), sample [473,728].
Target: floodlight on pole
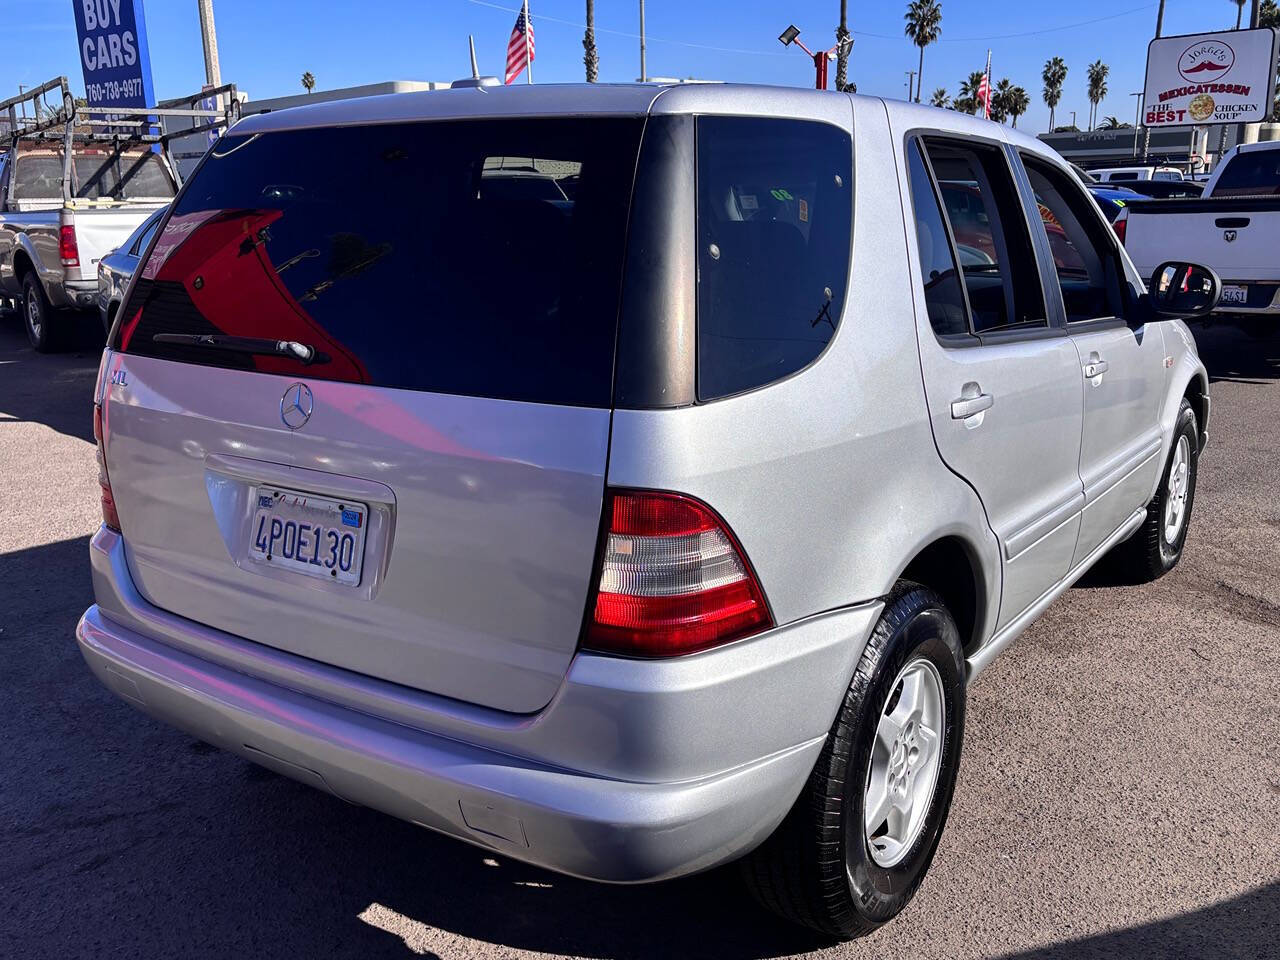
[792,35]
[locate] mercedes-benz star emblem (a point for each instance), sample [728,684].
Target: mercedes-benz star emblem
[296,405]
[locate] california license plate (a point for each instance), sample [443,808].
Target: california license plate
[1235,294]
[309,535]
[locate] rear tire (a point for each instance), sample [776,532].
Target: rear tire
[37,315]
[826,866]
[1156,547]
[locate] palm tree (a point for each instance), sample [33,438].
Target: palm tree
[842,47]
[1110,123]
[1097,87]
[940,98]
[590,58]
[1239,11]
[308,81]
[1019,101]
[967,101]
[1000,100]
[924,23]
[1054,75]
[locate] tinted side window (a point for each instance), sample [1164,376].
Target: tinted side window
[990,230]
[1082,255]
[944,297]
[775,209]
[476,257]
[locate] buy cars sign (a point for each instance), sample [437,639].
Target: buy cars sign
[1209,78]
[112,35]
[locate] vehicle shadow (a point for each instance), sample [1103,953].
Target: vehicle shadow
[1244,926]
[160,835]
[25,377]
[1233,356]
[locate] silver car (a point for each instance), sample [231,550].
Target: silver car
[644,524]
[115,270]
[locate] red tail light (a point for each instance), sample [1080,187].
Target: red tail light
[673,580]
[68,248]
[109,515]
[1120,226]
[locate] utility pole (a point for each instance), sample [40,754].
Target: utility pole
[644,76]
[1137,118]
[911,80]
[209,36]
[1146,131]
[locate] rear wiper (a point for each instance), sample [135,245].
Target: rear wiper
[302,352]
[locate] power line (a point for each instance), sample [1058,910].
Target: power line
[1011,36]
[649,38]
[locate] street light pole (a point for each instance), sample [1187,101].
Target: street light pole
[209,37]
[911,79]
[792,35]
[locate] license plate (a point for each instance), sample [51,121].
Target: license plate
[1235,295]
[313,536]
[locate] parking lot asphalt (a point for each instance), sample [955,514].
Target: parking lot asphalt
[1119,793]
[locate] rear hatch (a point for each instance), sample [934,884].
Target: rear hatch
[421,501]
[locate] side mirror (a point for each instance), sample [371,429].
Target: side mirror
[1184,290]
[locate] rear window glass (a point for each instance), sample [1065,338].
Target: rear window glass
[1256,173]
[96,175]
[471,257]
[775,208]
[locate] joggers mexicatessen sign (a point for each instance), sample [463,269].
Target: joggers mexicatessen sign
[1209,78]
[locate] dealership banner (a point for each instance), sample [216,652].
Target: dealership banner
[113,52]
[1208,78]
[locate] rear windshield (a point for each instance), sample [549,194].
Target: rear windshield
[1252,174]
[476,257]
[96,175]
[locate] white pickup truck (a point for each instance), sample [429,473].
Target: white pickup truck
[1233,228]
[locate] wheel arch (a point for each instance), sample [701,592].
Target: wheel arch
[951,566]
[1196,393]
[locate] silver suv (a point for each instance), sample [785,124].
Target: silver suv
[628,479]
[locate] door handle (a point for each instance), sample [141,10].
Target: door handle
[1094,368]
[966,407]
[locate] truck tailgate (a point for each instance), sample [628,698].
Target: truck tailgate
[99,230]
[1238,238]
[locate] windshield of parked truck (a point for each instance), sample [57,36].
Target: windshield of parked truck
[1252,174]
[474,257]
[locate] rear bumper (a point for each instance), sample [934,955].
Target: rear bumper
[636,771]
[73,294]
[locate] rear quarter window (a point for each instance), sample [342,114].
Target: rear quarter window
[775,211]
[477,257]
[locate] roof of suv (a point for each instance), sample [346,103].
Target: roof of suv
[618,99]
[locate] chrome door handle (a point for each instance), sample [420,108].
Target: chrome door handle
[966,407]
[1095,368]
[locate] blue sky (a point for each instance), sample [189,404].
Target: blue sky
[265,45]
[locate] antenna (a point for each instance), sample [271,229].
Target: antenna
[475,70]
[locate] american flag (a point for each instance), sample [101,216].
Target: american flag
[984,89]
[520,46]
